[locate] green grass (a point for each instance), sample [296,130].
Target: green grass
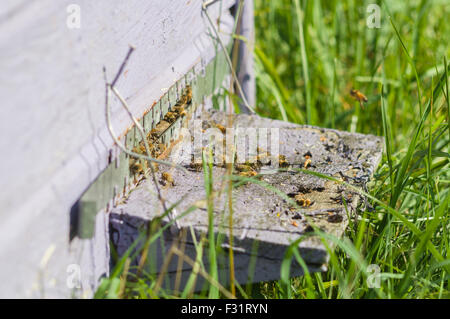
[309,54]
[400,67]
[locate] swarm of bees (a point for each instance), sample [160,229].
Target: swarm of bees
[157,148]
[179,109]
[249,168]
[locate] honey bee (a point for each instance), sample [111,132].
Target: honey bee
[153,134]
[334,217]
[222,128]
[243,167]
[188,94]
[167,178]
[305,202]
[183,100]
[360,97]
[308,228]
[252,163]
[136,167]
[282,161]
[196,166]
[178,108]
[170,117]
[136,150]
[248,173]
[307,163]
[161,147]
[263,158]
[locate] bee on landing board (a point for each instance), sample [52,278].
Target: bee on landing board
[360,97]
[188,93]
[167,179]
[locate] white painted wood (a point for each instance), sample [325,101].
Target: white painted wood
[53,136]
[246,72]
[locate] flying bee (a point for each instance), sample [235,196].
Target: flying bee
[360,97]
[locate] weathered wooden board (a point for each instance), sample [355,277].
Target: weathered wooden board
[53,124]
[260,215]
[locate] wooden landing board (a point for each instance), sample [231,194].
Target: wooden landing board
[261,216]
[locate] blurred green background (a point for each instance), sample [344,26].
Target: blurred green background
[341,52]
